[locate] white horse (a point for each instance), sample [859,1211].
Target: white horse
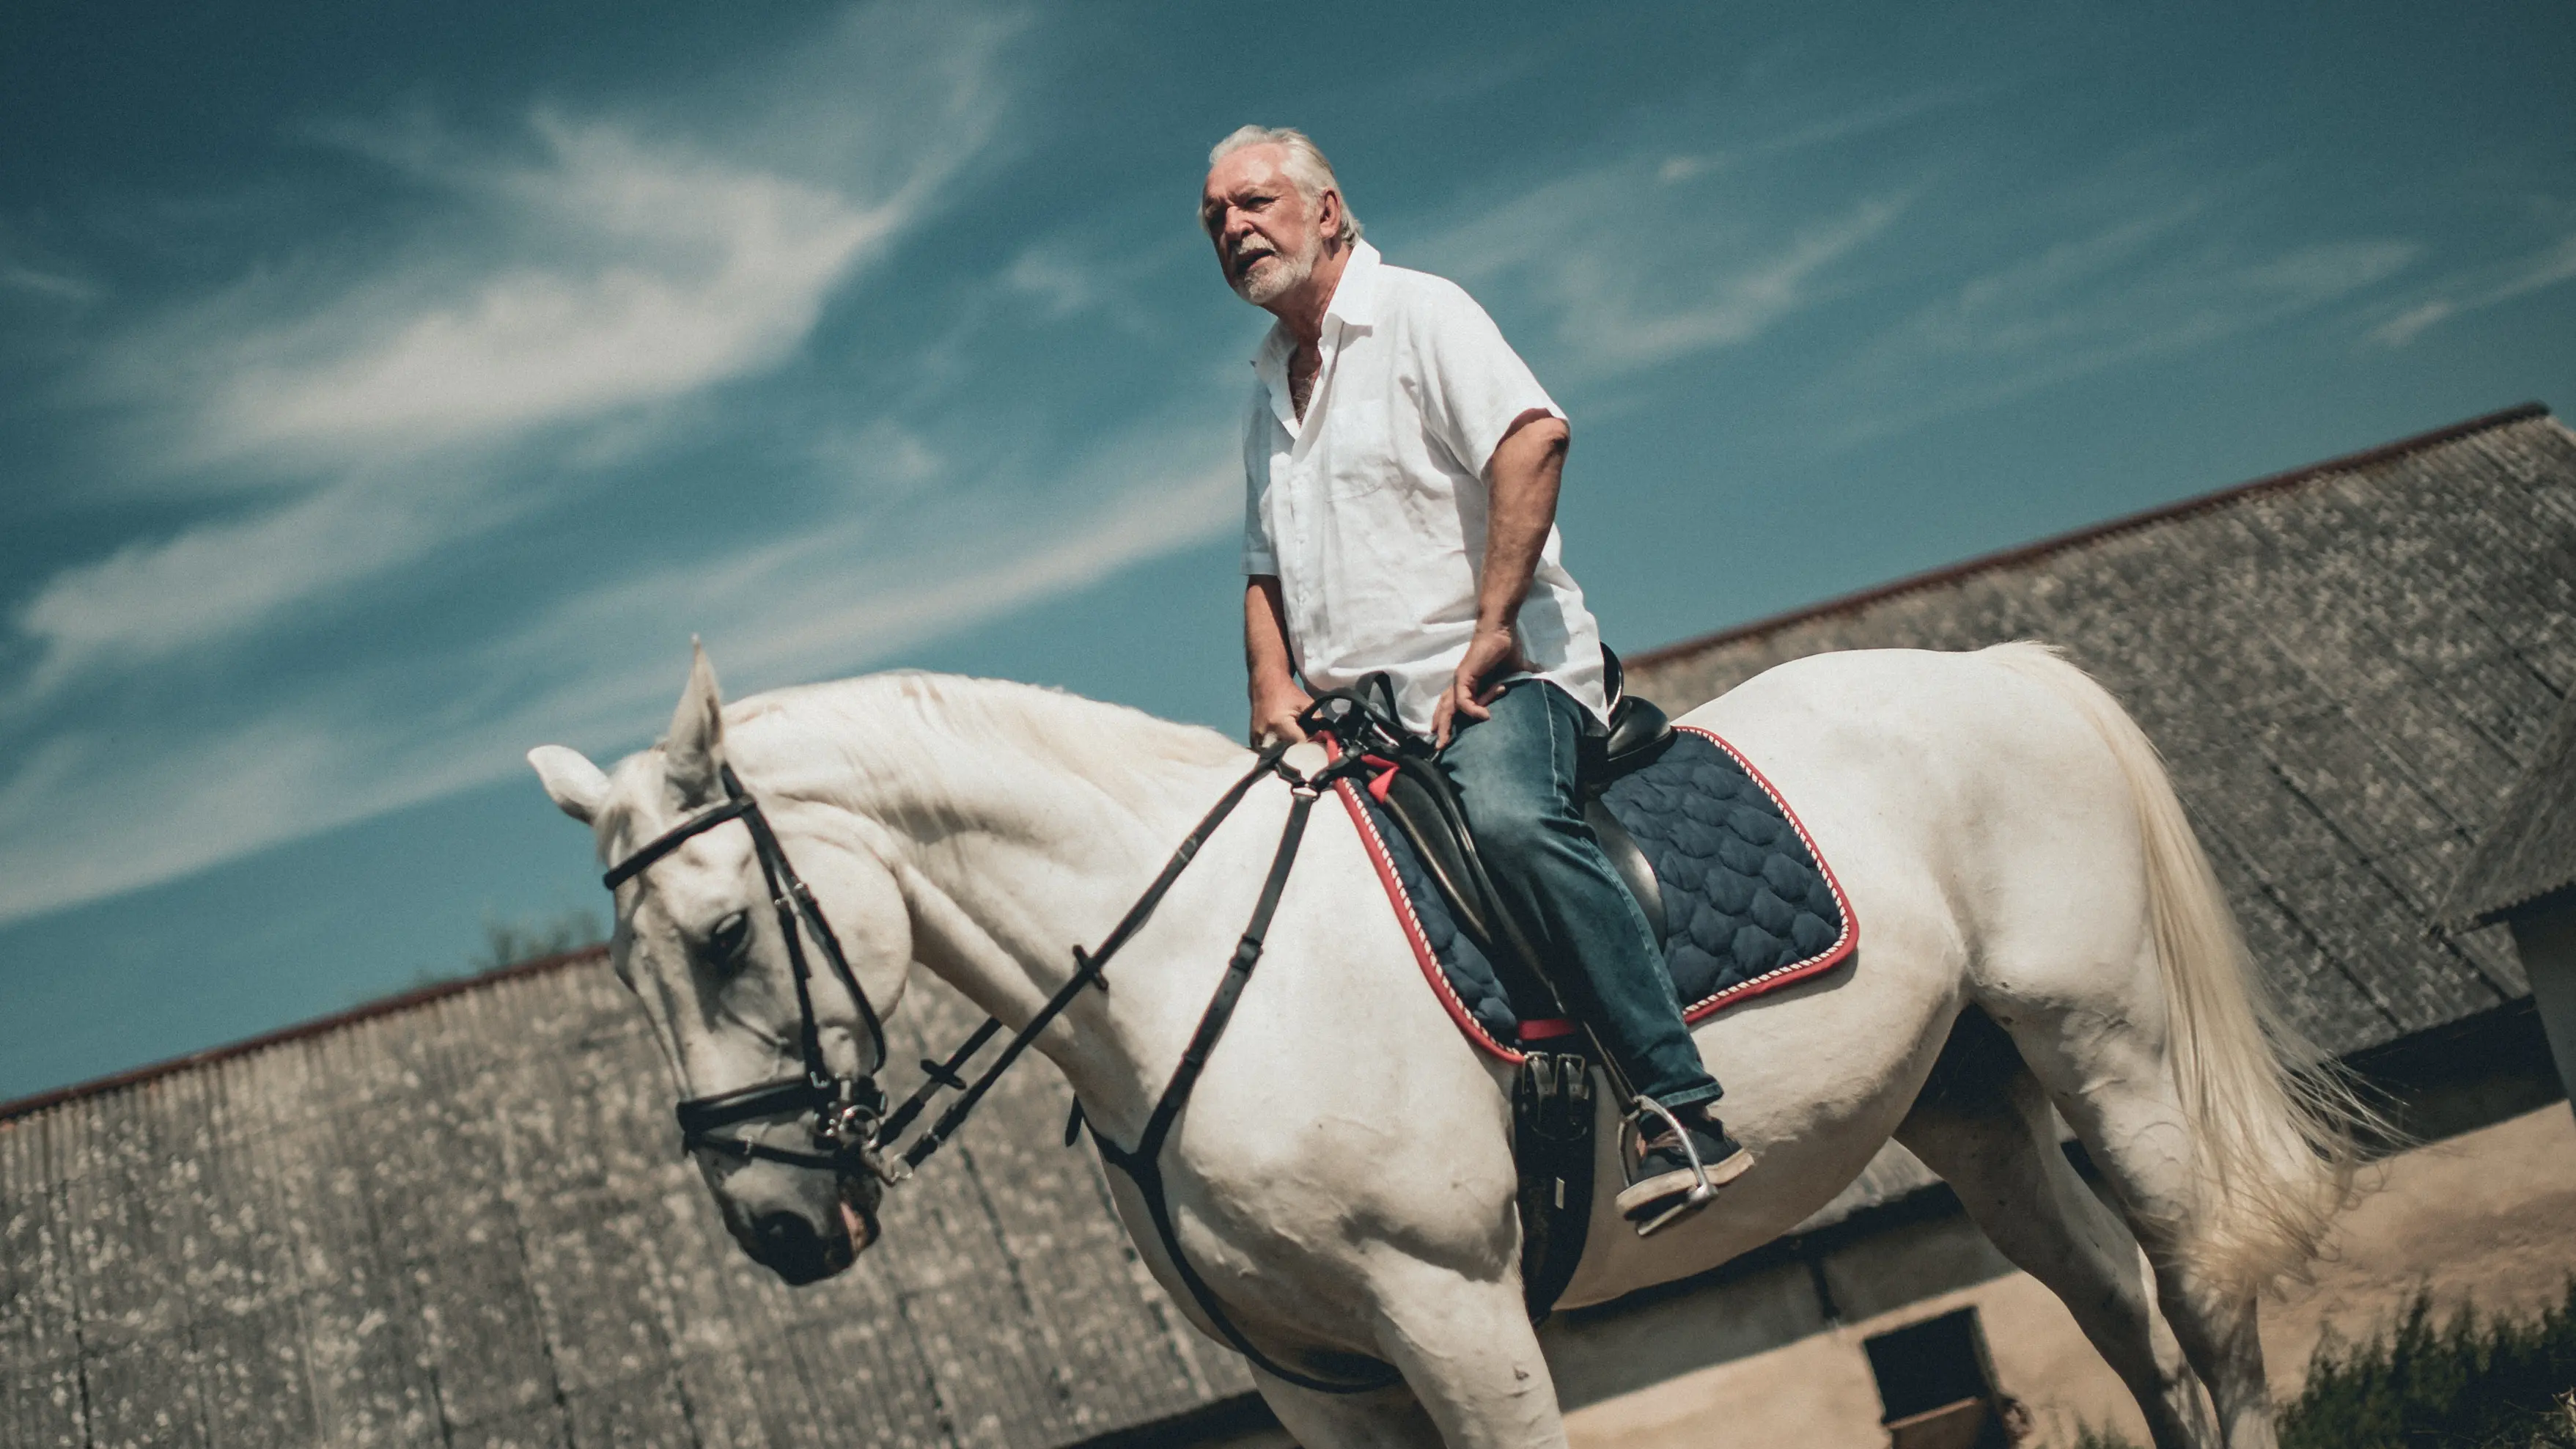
[2008,841]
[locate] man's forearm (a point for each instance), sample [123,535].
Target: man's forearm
[1265,634]
[1527,469]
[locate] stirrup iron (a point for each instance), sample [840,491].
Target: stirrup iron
[1701,1193]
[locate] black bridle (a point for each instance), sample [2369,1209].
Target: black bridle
[847,1110]
[852,1130]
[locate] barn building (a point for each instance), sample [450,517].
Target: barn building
[457,1218]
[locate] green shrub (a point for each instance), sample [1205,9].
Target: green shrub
[508,943]
[2470,1383]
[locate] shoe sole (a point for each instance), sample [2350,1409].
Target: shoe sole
[1640,1198]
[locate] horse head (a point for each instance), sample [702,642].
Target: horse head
[775,1060]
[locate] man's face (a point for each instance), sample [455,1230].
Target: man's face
[1268,235]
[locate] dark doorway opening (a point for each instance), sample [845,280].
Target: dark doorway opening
[1936,1386]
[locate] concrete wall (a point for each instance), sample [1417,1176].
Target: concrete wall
[2546,941]
[2488,1217]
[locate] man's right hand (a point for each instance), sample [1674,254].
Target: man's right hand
[1270,672]
[1275,709]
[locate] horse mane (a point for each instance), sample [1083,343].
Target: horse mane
[895,732]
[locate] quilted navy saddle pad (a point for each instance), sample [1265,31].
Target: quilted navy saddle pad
[1748,904]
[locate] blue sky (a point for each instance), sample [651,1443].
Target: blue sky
[384,391]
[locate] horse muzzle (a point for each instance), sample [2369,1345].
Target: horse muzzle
[857,1199]
[802,1245]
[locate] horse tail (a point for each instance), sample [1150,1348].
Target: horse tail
[2276,1124]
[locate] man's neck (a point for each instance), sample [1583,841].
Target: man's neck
[1301,309]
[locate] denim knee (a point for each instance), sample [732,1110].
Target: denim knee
[1511,833]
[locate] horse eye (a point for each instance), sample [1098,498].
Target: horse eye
[731,935]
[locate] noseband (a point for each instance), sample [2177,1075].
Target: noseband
[846,1111]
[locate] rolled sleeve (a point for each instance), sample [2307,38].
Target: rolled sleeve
[1259,556]
[1478,386]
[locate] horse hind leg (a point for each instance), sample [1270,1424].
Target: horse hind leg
[2114,1084]
[1983,1123]
[2185,1082]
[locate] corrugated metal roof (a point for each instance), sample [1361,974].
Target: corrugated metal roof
[2346,667]
[467,1222]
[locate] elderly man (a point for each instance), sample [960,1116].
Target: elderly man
[1402,467]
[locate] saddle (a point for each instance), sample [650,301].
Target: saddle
[1744,905]
[1554,1121]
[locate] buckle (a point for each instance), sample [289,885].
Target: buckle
[1304,761]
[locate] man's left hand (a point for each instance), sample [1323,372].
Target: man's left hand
[1493,656]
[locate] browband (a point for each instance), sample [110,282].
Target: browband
[672,839]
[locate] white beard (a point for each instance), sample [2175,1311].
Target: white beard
[1263,288]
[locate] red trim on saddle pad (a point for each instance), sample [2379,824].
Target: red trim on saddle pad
[1538,1030]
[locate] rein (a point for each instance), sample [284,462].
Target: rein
[852,1132]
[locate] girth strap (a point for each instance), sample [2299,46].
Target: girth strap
[1143,1165]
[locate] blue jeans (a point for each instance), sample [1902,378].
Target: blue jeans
[1516,778]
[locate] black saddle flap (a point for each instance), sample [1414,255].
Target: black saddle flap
[1425,808]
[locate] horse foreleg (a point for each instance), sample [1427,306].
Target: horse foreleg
[1468,1353]
[1387,1419]
[1990,1136]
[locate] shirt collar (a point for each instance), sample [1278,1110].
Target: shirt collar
[1355,295]
[1354,304]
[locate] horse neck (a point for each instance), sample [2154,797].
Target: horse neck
[1020,823]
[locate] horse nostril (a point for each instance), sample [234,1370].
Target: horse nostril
[782,1233]
[794,1249]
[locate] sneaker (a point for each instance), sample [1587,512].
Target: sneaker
[1663,1187]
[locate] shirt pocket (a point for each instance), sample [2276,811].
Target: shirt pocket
[1362,457]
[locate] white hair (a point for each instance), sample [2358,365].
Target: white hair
[1307,169]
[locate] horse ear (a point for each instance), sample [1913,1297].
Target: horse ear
[693,753]
[574,783]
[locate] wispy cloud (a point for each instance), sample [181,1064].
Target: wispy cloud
[1863,121]
[571,281]
[2160,281]
[2477,290]
[598,669]
[644,273]
[1622,326]
[531,320]
[1636,276]
[814,602]
[1658,255]
[148,600]
[52,286]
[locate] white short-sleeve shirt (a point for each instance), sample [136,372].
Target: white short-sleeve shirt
[1372,510]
